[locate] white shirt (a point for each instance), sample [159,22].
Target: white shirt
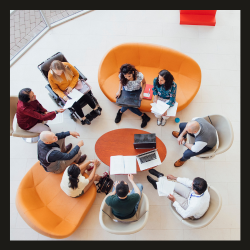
[199,145]
[70,191]
[134,85]
[197,204]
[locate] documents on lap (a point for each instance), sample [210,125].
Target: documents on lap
[120,164]
[75,95]
[164,186]
[161,107]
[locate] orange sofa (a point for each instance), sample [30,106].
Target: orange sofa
[46,208]
[150,60]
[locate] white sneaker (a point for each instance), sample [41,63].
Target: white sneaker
[159,121]
[163,122]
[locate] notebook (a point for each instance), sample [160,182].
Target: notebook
[129,99]
[148,92]
[120,164]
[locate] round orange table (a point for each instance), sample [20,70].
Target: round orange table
[120,142]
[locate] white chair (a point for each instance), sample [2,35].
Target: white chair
[208,217]
[113,225]
[225,136]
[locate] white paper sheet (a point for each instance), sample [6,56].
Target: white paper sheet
[164,186]
[69,103]
[159,108]
[116,164]
[75,94]
[172,110]
[58,119]
[130,164]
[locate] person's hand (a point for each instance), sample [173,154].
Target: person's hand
[171,197]
[60,110]
[74,133]
[118,93]
[96,163]
[116,183]
[180,139]
[65,98]
[68,89]
[155,99]
[141,96]
[46,113]
[80,143]
[171,177]
[130,177]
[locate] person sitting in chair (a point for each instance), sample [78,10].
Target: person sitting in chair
[190,197]
[63,78]
[124,204]
[131,80]
[53,154]
[73,183]
[205,138]
[30,114]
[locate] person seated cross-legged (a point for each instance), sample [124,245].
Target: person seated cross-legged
[190,197]
[124,204]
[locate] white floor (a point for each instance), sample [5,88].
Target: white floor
[84,41]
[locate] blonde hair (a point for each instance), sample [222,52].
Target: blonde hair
[58,65]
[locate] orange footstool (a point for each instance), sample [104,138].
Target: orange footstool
[46,208]
[150,60]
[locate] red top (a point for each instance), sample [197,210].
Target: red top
[30,113]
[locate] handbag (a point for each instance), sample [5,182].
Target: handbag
[105,184]
[79,85]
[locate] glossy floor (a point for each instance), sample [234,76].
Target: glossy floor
[84,41]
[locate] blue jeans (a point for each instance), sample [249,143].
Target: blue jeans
[189,153]
[140,186]
[134,110]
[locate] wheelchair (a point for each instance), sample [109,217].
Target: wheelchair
[44,68]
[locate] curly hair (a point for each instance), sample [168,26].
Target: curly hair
[73,173]
[168,77]
[127,69]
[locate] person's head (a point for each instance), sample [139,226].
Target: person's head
[122,189]
[192,127]
[73,173]
[128,73]
[165,78]
[48,137]
[199,185]
[57,68]
[26,95]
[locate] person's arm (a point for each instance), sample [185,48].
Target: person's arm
[155,92]
[118,93]
[185,181]
[65,134]
[55,87]
[37,115]
[131,179]
[92,174]
[181,136]
[56,155]
[41,108]
[197,146]
[143,86]
[190,211]
[75,77]
[171,101]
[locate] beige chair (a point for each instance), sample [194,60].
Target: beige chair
[114,225]
[27,136]
[225,136]
[208,217]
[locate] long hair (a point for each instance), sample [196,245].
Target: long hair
[73,173]
[58,65]
[168,77]
[127,69]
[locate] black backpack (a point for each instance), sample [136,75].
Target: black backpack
[104,185]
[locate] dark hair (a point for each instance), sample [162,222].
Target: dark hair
[73,172]
[127,69]
[200,185]
[24,95]
[122,189]
[168,77]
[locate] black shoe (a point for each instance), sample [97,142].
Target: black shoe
[155,173]
[145,120]
[152,181]
[86,121]
[82,159]
[98,110]
[118,116]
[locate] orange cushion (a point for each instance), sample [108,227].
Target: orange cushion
[150,60]
[46,208]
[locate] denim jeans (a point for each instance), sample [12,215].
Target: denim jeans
[134,110]
[140,186]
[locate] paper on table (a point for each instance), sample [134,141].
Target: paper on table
[130,164]
[57,119]
[116,164]
[164,186]
[75,94]
[172,110]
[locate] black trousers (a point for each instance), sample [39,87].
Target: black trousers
[189,153]
[88,100]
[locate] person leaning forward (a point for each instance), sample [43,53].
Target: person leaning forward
[53,154]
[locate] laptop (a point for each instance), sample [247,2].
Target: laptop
[144,141]
[129,99]
[148,159]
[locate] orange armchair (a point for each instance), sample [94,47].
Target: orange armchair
[46,208]
[150,60]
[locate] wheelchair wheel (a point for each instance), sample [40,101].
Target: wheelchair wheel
[51,96]
[72,116]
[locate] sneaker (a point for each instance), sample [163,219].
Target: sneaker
[163,122]
[152,181]
[145,120]
[98,110]
[118,116]
[86,121]
[159,121]
[155,173]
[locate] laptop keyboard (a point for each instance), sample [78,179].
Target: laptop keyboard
[147,158]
